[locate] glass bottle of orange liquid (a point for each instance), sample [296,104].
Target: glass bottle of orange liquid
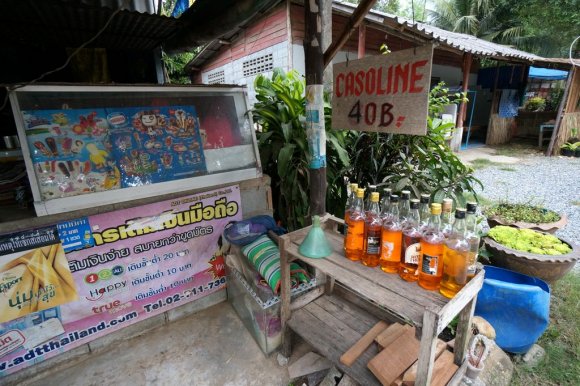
[391,238]
[431,258]
[473,238]
[455,257]
[354,239]
[411,247]
[373,224]
[348,207]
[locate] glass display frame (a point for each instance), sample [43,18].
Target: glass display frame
[88,145]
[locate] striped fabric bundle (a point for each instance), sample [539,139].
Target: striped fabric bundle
[264,255]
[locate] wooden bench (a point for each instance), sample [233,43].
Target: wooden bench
[354,297]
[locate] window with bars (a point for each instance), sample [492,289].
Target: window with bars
[216,77]
[258,65]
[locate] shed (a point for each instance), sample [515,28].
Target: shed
[275,39]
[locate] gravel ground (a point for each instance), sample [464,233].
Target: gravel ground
[552,182]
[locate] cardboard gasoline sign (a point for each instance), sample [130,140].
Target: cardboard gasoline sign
[66,285]
[384,93]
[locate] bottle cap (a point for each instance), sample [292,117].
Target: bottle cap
[425,198]
[360,193]
[387,191]
[447,205]
[435,208]
[394,198]
[471,207]
[375,197]
[460,213]
[372,186]
[353,187]
[414,203]
[405,194]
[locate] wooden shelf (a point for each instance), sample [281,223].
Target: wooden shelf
[332,325]
[428,311]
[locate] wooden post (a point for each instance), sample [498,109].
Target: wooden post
[354,21]
[467,59]
[362,33]
[315,130]
[561,111]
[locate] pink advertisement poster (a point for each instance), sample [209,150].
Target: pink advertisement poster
[123,267]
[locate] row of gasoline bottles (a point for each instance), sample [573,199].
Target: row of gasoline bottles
[420,242]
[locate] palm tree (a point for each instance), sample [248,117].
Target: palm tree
[487,19]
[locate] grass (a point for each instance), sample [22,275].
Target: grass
[507,169]
[482,163]
[561,365]
[517,149]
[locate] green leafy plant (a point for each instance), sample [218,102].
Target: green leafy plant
[420,163]
[535,104]
[526,212]
[527,240]
[283,145]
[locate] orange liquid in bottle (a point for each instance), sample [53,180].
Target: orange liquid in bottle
[410,254]
[431,264]
[454,271]
[391,250]
[372,247]
[354,240]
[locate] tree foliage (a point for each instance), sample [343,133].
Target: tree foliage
[386,6]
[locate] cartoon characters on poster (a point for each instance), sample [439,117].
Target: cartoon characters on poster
[156,145]
[83,151]
[71,152]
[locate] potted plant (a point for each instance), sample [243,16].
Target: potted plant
[525,216]
[567,150]
[530,252]
[535,104]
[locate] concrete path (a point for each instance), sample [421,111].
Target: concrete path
[211,347]
[484,152]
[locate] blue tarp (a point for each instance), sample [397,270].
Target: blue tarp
[546,73]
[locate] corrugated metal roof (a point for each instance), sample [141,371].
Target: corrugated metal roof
[459,41]
[69,23]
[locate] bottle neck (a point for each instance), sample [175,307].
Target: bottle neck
[446,217]
[358,204]
[471,222]
[459,227]
[435,222]
[413,219]
[374,208]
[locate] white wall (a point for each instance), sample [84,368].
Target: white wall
[233,71]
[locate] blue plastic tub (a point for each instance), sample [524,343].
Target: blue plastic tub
[516,305]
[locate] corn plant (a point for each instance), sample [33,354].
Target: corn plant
[283,146]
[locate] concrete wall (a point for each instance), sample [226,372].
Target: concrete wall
[256,199]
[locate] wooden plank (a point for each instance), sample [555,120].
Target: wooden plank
[427,352]
[362,344]
[390,363]
[457,378]
[356,318]
[389,335]
[444,369]
[459,301]
[372,308]
[285,296]
[306,298]
[410,375]
[331,344]
[463,331]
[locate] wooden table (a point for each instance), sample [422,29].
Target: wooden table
[332,324]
